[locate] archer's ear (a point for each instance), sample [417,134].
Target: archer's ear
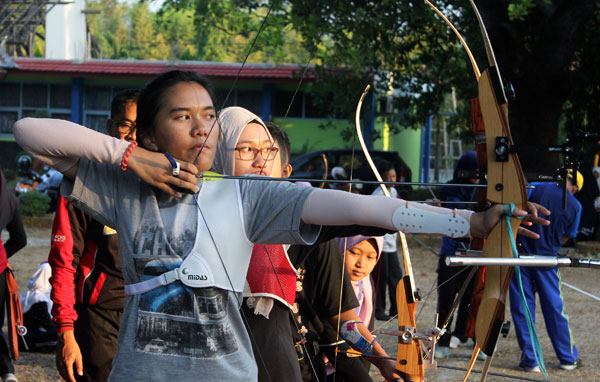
[149,143]
[287,171]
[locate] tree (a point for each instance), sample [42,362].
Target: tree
[177,26]
[110,28]
[547,49]
[225,29]
[145,41]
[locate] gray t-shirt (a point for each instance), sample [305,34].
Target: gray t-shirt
[175,332]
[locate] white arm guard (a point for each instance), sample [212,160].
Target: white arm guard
[420,218]
[329,207]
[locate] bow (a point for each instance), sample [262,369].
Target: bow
[409,359]
[506,185]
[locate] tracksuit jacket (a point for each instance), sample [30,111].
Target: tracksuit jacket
[85,265]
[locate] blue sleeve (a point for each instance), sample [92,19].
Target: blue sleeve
[450,246]
[572,232]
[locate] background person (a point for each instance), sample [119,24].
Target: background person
[547,281]
[87,283]
[160,230]
[387,272]
[11,220]
[450,279]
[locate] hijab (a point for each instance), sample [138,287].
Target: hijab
[232,121]
[38,288]
[363,288]
[467,162]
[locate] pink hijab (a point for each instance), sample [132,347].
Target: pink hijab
[363,288]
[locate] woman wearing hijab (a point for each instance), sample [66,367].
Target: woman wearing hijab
[246,147]
[9,219]
[453,277]
[361,253]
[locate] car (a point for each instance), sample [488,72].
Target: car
[311,166]
[156,346]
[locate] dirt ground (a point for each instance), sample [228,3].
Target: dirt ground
[583,314]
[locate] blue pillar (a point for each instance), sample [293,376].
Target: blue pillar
[268,90]
[369,127]
[425,150]
[77,100]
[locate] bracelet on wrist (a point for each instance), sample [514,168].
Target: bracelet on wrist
[128,152]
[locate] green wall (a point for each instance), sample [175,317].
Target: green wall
[407,143]
[306,135]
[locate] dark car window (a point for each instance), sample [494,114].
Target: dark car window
[348,162]
[313,164]
[310,165]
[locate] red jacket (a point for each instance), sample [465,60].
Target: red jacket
[85,265]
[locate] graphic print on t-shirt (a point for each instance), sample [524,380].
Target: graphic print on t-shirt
[174,319]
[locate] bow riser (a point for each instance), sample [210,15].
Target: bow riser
[506,184]
[409,359]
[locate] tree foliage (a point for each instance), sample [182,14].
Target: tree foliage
[548,49]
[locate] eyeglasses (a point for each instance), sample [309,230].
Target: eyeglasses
[250,153]
[124,126]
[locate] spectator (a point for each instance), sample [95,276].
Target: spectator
[9,219]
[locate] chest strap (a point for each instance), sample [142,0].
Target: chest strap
[153,283]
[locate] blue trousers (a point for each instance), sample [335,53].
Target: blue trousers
[548,284]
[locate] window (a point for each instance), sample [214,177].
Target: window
[97,98]
[281,102]
[43,113]
[251,100]
[7,119]
[348,161]
[35,95]
[96,122]
[60,96]
[221,94]
[315,164]
[10,94]
[65,116]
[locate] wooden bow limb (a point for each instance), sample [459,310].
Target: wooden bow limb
[325,171]
[409,359]
[460,37]
[506,185]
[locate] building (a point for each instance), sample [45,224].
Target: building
[81,91]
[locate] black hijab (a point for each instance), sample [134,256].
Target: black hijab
[467,162]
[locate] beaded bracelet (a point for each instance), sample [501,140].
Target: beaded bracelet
[128,152]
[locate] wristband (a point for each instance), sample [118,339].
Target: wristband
[350,333]
[128,152]
[176,166]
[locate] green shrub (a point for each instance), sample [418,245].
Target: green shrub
[33,203]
